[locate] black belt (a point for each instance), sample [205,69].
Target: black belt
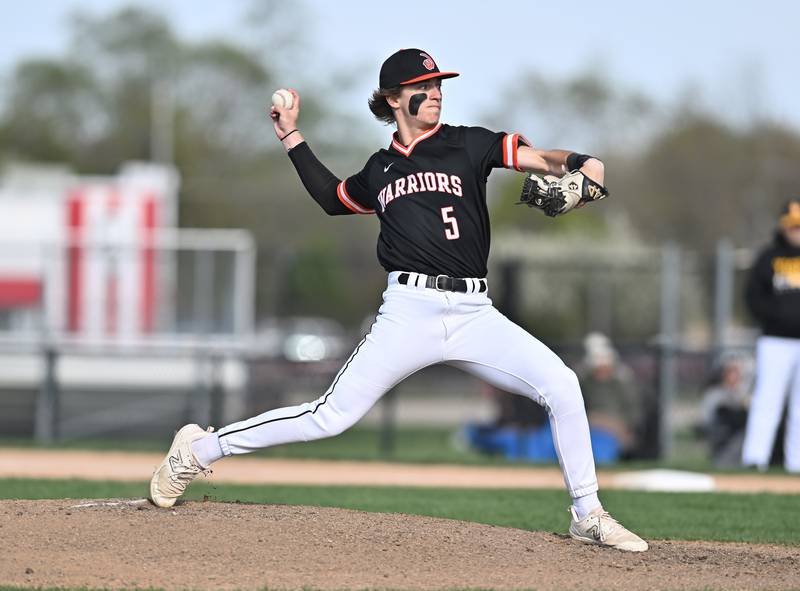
[445,283]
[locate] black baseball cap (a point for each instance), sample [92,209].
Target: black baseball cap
[409,66]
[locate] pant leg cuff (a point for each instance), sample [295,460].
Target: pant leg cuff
[584,490]
[223,444]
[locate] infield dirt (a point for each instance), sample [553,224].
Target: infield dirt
[210,545]
[137,467]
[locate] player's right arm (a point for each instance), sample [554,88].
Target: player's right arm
[327,189]
[284,121]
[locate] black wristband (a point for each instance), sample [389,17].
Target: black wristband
[288,134]
[575,161]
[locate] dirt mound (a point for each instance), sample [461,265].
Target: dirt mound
[115,544]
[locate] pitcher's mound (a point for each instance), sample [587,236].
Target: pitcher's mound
[129,543]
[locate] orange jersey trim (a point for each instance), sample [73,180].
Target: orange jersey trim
[510,149]
[349,202]
[406,150]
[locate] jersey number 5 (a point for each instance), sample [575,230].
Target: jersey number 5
[451,232]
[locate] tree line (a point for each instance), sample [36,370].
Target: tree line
[130,88]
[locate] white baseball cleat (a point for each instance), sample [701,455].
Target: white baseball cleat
[600,528]
[178,468]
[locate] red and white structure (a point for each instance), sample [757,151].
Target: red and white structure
[77,254]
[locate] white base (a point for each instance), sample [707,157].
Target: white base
[665,480]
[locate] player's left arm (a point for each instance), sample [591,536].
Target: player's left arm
[555,162]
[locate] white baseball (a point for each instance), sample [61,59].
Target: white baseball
[282,98]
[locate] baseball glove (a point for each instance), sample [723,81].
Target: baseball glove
[555,196]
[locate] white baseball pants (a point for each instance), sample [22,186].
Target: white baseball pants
[417,327]
[777,372]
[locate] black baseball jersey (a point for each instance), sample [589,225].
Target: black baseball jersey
[430,198]
[773,289]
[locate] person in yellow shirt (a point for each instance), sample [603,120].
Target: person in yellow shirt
[773,297]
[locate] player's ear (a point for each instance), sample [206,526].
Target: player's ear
[393,100]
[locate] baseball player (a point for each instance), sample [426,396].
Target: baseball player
[428,191]
[773,296]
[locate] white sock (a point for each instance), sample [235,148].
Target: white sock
[585,505]
[207,450]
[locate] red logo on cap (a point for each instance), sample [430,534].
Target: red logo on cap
[428,63]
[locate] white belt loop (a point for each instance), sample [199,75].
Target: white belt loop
[420,281]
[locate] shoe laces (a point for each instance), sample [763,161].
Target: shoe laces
[188,468]
[189,473]
[607,524]
[180,479]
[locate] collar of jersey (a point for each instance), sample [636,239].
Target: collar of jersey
[406,150]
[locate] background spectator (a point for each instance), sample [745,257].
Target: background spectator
[609,391]
[725,405]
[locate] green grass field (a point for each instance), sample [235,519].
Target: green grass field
[412,445]
[360,443]
[681,516]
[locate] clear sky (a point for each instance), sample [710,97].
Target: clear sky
[742,57]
